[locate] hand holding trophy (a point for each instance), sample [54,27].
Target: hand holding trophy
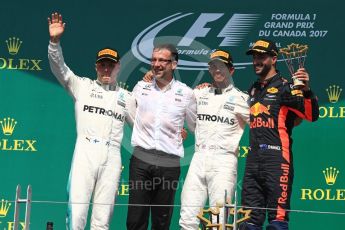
[294,56]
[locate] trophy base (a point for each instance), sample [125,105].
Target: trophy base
[297,84]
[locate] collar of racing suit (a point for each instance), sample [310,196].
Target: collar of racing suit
[107,87]
[259,83]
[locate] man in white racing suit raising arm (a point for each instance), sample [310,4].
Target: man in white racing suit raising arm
[222,112]
[100,111]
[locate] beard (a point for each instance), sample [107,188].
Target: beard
[263,70]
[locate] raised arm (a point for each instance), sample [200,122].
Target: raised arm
[56,60]
[302,102]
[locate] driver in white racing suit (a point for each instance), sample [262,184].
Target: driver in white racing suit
[100,111]
[222,113]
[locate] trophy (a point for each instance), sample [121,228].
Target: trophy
[294,56]
[206,215]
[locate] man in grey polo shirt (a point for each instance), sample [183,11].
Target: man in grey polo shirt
[162,107]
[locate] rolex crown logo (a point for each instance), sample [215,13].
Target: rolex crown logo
[334,92]
[330,175]
[8,125]
[5,206]
[13,45]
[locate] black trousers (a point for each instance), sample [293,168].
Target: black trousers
[153,181]
[267,183]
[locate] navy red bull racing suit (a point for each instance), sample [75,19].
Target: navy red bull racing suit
[274,106]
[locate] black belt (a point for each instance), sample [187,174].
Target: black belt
[156,157]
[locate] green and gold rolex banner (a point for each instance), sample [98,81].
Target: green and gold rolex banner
[37,122]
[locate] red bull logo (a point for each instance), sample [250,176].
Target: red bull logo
[259,108]
[284,183]
[258,122]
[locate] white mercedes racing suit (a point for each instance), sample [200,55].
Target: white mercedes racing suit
[96,166]
[220,122]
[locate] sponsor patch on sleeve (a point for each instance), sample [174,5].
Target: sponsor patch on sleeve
[272,90]
[297,92]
